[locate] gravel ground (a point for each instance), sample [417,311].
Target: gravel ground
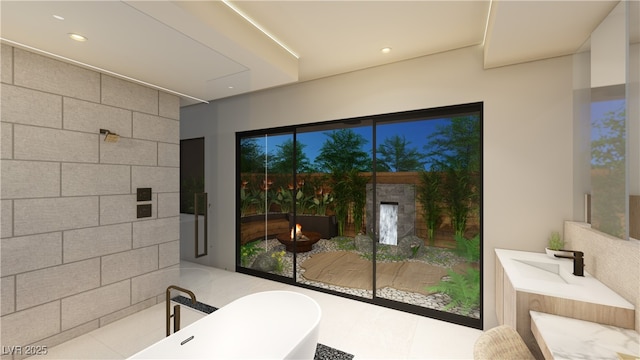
[435,256]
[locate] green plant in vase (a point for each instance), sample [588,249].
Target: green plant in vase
[555,241]
[555,244]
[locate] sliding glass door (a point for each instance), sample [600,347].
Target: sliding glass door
[330,205]
[427,206]
[384,209]
[265,198]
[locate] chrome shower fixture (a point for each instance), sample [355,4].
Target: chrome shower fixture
[109,136]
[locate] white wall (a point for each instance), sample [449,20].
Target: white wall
[528,156]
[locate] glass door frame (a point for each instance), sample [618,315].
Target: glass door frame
[446,111]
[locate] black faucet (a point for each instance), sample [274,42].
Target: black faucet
[176,308]
[578,261]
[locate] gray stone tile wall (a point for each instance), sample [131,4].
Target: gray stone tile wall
[36,143]
[156,128]
[6,69]
[6,148]
[27,253]
[169,106]
[30,107]
[26,327]
[48,75]
[86,116]
[157,231]
[30,179]
[127,95]
[74,256]
[6,221]
[84,307]
[168,205]
[130,152]
[8,296]
[144,286]
[87,243]
[168,155]
[35,216]
[95,179]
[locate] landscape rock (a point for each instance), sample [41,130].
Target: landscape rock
[364,244]
[407,244]
[264,262]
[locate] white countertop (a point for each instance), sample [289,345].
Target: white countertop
[530,279]
[568,338]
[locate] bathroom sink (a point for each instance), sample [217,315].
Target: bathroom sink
[537,273]
[542,271]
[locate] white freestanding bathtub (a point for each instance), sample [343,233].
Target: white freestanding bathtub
[265,325]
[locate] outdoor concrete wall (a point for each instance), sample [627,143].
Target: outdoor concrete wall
[405,197]
[74,256]
[527,149]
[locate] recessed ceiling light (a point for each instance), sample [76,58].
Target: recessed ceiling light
[58,17]
[386,50]
[77,37]
[230,86]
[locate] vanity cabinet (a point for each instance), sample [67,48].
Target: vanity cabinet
[508,311]
[584,298]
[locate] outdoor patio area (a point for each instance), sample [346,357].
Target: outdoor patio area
[338,265]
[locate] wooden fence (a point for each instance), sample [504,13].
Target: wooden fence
[444,234]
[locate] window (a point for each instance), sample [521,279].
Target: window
[384,209]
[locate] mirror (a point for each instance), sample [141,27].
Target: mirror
[609,107]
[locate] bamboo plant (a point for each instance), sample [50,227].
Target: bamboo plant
[430,198]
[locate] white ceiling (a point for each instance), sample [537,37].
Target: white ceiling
[205,50]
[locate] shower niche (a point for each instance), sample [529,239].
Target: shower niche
[395,210]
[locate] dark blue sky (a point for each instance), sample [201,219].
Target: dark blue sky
[415,132]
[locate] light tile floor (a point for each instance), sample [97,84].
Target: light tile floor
[365,330]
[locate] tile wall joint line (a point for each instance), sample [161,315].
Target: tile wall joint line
[13,141]
[100,272]
[15,293]
[62,246]
[13,66]
[62,112]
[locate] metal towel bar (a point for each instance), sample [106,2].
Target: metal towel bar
[206,212]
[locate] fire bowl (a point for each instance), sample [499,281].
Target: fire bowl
[303,244]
